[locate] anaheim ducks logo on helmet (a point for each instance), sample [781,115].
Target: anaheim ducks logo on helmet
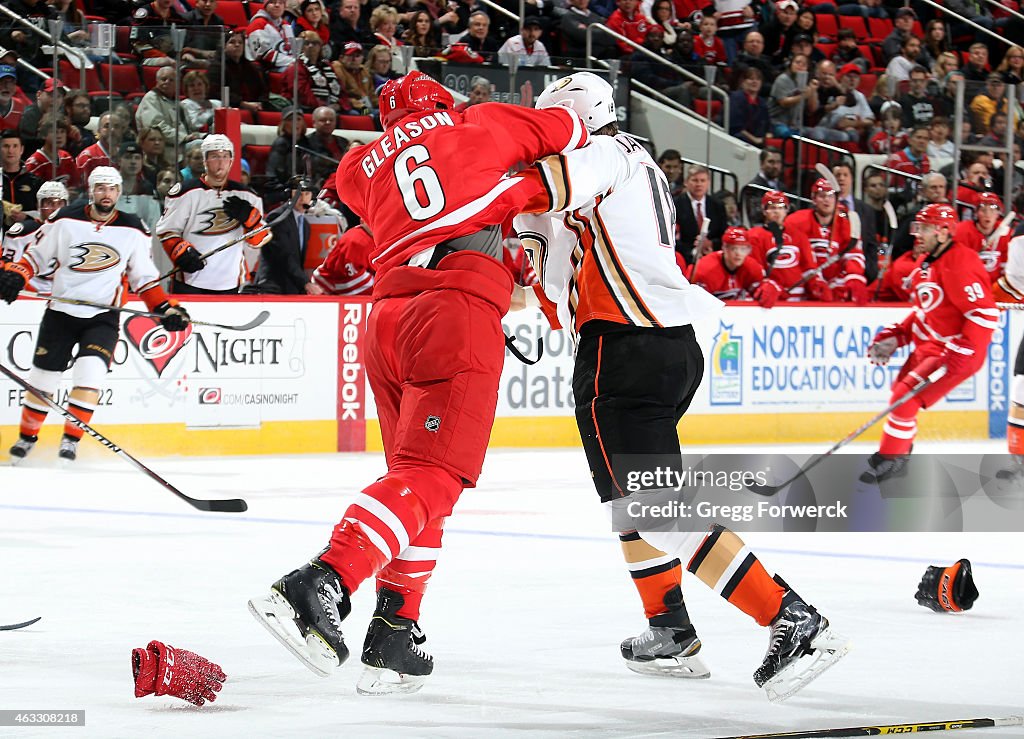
[216,222]
[93,257]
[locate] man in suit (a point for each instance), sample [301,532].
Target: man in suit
[695,210]
[869,229]
[281,270]
[769,178]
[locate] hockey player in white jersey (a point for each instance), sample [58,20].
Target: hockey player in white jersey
[51,196]
[205,213]
[95,247]
[604,251]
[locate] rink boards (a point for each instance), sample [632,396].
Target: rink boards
[297,383]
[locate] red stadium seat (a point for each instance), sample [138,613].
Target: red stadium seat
[827,49]
[71,77]
[125,77]
[257,157]
[855,22]
[149,76]
[701,106]
[828,25]
[273,117]
[356,122]
[879,28]
[867,84]
[123,40]
[233,13]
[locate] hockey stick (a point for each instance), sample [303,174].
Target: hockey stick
[1010,306]
[235,505]
[698,243]
[822,169]
[855,227]
[965,723]
[22,625]
[770,490]
[259,320]
[890,217]
[285,212]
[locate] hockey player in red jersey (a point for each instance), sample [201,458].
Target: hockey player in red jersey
[732,274]
[984,235]
[827,227]
[347,269]
[950,327]
[434,190]
[785,254]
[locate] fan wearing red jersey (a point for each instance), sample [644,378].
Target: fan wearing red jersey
[784,254]
[950,326]
[827,227]
[732,274]
[984,235]
[434,190]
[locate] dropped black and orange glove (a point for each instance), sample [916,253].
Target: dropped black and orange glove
[948,589]
[164,670]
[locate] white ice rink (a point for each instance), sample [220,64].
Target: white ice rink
[524,614]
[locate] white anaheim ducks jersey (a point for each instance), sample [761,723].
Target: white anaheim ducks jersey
[193,211]
[92,258]
[20,237]
[607,250]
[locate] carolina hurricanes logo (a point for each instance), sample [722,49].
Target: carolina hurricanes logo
[929,295]
[990,258]
[156,345]
[217,222]
[788,256]
[93,257]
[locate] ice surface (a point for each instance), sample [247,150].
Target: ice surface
[524,614]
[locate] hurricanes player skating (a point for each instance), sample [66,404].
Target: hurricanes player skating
[434,191]
[606,256]
[205,213]
[96,247]
[950,327]
[51,196]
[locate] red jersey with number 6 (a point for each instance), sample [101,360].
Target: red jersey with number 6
[414,190]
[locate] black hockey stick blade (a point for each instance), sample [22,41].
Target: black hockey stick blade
[235,505]
[22,625]
[966,723]
[259,320]
[770,490]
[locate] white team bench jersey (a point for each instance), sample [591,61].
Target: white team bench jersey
[92,257]
[608,248]
[18,238]
[194,212]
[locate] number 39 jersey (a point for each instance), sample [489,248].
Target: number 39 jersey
[952,298]
[437,175]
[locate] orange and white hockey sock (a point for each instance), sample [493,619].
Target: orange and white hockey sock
[33,414]
[410,571]
[724,564]
[658,578]
[1015,417]
[82,404]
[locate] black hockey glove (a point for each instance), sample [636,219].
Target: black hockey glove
[13,278]
[175,317]
[189,260]
[242,211]
[948,589]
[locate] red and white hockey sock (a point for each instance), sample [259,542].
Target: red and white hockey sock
[724,564]
[657,577]
[410,571]
[898,435]
[81,404]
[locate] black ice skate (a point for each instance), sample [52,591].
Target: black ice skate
[68,451]
[885,467]
[21,448]
[668,651]
[394,661]
[801,647]
[1010,477]
[304,611]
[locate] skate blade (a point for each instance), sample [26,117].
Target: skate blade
[278,618]
[382,681]
[829,647]
[691,668]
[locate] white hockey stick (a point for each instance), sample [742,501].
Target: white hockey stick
[822,169]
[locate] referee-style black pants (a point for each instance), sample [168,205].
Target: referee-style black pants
[632,385]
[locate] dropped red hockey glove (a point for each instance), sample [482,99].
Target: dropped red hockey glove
[164,670]
[820,290]
[767,293]
[948,589]
[958,357]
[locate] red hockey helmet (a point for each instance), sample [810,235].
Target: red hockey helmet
[990,200]
[413,92]
[822,186]
[936,214]
[774,198]
[735,236]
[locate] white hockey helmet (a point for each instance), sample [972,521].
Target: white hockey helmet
[104,176]
[217,142]
[586,93]
[52,189]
